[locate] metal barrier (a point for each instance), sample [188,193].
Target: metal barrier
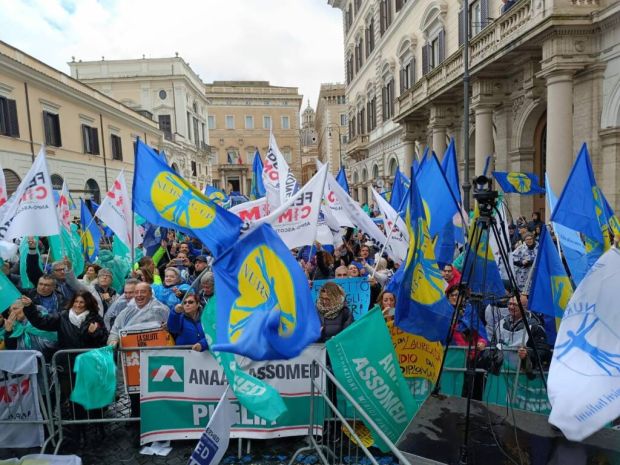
[9,391]
[329,440]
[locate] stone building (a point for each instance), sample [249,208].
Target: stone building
[308,140]
[241,114]
[331,125]
[545,77]
[88,136]
[167,91]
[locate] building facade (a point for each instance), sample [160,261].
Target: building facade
[331,125]
[167,91]
[545,77]
[309,147]
[241,114]
[88,136]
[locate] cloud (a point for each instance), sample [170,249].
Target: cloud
[291,43]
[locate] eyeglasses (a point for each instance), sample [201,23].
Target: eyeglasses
[189,302]
[59,269]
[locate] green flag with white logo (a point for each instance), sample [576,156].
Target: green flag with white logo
[371,374]
[8,292]
[254,394]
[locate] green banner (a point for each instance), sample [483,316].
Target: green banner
[371,374]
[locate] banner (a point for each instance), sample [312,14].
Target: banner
[115,211]
[370,373]
[181,389]
[357,293]
[140,337]
[417,357]
[19,401]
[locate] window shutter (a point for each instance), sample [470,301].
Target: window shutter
[12,125]
[484,13]
[442,45]
[86,138]
[461,27]
[383,101]
[95,140]
[412,72]
[401,78]
[425,60]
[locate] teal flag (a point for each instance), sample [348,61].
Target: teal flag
[68,245]
[258,397]
[23,256]
[8,292]
[371,374]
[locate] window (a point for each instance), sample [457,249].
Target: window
[343,119]
[196,133]
[286,122]
[359,54]
[8,118]
[398,4]
[117,147]
[385,15]
[371,112]
[433,52]
[407,76]
[162,94]
[230,122]
[211,121]
[267,122]
[350,71]
[51,125]
[348,18]
[249,122]
[361,121]
[165,126]
[194,170]
[387,100]
[90,138]
[189,126]
[370,35]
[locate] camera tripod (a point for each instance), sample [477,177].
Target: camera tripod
[484,225]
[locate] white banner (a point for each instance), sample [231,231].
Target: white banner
[335,207]
[19,400]
[31,211]
[115,210]
[180,390]
[399,241]
[3,193]
[64,214]
[584,377]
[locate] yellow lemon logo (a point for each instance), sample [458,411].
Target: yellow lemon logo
[217,197]
[88,243]
[519,181]
[178,202]
[264,285]
[562,291]
[427,282]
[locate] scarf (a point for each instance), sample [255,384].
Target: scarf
[331,311]
[26,330]
[77,320]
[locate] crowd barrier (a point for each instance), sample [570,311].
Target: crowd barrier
[344,417]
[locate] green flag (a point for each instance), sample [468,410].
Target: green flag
[371,374]
[254,394]
[68,245]
[8,292]
[23,256]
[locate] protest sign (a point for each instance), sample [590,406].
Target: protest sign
[357,292]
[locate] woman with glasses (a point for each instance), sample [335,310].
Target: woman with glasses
[184,324]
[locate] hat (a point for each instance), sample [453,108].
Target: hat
[202,258]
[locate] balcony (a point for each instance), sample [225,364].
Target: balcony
[499,38]
[357,147]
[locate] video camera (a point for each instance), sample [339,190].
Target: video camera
[486,197]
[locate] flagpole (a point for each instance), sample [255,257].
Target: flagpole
[374,270]
[316,231]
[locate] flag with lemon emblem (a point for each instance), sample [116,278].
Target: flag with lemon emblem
[265,309]
[421,307]
[518,183]
[90,233]
[164,198]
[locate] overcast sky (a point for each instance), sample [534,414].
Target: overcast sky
[287,42]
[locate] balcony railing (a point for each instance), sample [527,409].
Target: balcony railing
[357,147]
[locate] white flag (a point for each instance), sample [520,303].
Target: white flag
[399,240]
[3,192]
[64,214]
[584,377]
[214,441]
[335,207]
[296,221]
[31,212]
[115,210]
[280,183]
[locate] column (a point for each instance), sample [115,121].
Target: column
[560,151]
[439,141]
[483,137]
[414,130]
[440,119]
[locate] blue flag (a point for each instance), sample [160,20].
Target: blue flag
[217,196]
[449,166]
[570,241]
[577,207]
[480,271]
[90,233]
[551,289]
[164,198]
[421,306]
[518,183]
[399,191]
[341,179]
[258,187]
[264,306]
[470,320]
[438,198]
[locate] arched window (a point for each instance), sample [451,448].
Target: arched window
[364,175]
[371,107]
[56,181]
[356,178]
[387,93]
[434,50]
[12,181]
[406,58]
[92,190]
[375,172]
[393,167]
